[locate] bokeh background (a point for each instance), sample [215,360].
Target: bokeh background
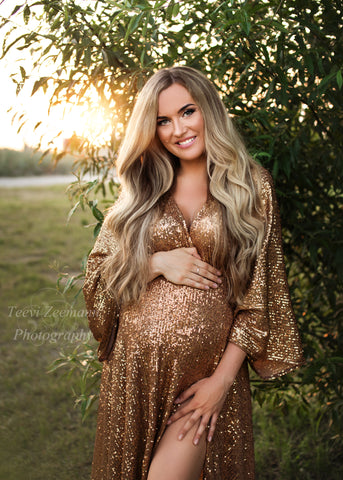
[70,71]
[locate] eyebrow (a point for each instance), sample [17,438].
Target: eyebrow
[181,109]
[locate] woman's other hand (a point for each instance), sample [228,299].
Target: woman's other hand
[205,400]
[206,397]
[183,266]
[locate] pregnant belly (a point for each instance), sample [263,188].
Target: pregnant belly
[175,318]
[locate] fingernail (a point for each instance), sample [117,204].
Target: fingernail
[209,438]
[169,422]
[196,441]
[177,400]
[180,436]
[215,285]
[218,272]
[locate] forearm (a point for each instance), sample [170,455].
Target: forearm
[229,365]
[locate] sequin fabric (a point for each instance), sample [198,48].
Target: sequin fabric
[176,336]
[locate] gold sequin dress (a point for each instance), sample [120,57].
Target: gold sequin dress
[176,336]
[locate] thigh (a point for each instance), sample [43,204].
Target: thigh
[178,459]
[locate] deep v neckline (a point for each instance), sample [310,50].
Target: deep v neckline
[195,216]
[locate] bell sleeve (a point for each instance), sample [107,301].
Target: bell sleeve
[102,309]
[264,323]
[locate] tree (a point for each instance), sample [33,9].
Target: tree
[278,66]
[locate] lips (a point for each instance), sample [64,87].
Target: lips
[186,142]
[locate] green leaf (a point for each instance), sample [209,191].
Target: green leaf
[339,79]
[8,47]
[23,73]
[66,15]
[27,12]
[97,214]
[275,168]
[68,284]
[67,53]
[326,80]
[176,9]
[16,8]
[133,24]
[39,83]
[72,211]
[336,359]
[169,11]
[273,23]
[145,27]
[87,56]
[97,229]
[142,57]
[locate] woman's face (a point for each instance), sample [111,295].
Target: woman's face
[180,124]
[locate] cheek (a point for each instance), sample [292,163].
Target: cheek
[198,124]
[201,126]
[162,135]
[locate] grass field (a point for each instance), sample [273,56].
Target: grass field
[42,436]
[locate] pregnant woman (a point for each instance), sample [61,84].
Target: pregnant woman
[184,287]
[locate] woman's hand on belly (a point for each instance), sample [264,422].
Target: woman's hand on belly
[183,266]
[205,399]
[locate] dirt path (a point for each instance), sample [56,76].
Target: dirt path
[38,180]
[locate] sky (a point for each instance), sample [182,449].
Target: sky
[66,118]
[8,100]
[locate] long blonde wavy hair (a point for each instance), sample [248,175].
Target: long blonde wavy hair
[147,170]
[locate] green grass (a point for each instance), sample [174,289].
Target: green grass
[42,436]
[296,444]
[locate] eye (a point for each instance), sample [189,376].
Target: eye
[188,112]
[161,123]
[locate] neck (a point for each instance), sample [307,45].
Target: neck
[195,171]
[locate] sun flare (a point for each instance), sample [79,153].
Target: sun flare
[89,122]
[52,127]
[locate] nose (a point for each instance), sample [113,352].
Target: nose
[179,128]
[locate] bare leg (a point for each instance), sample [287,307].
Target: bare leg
[178,459]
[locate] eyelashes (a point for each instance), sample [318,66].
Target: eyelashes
[188,112]
[160,123]
[185,114]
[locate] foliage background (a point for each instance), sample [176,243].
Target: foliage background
[278,66]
